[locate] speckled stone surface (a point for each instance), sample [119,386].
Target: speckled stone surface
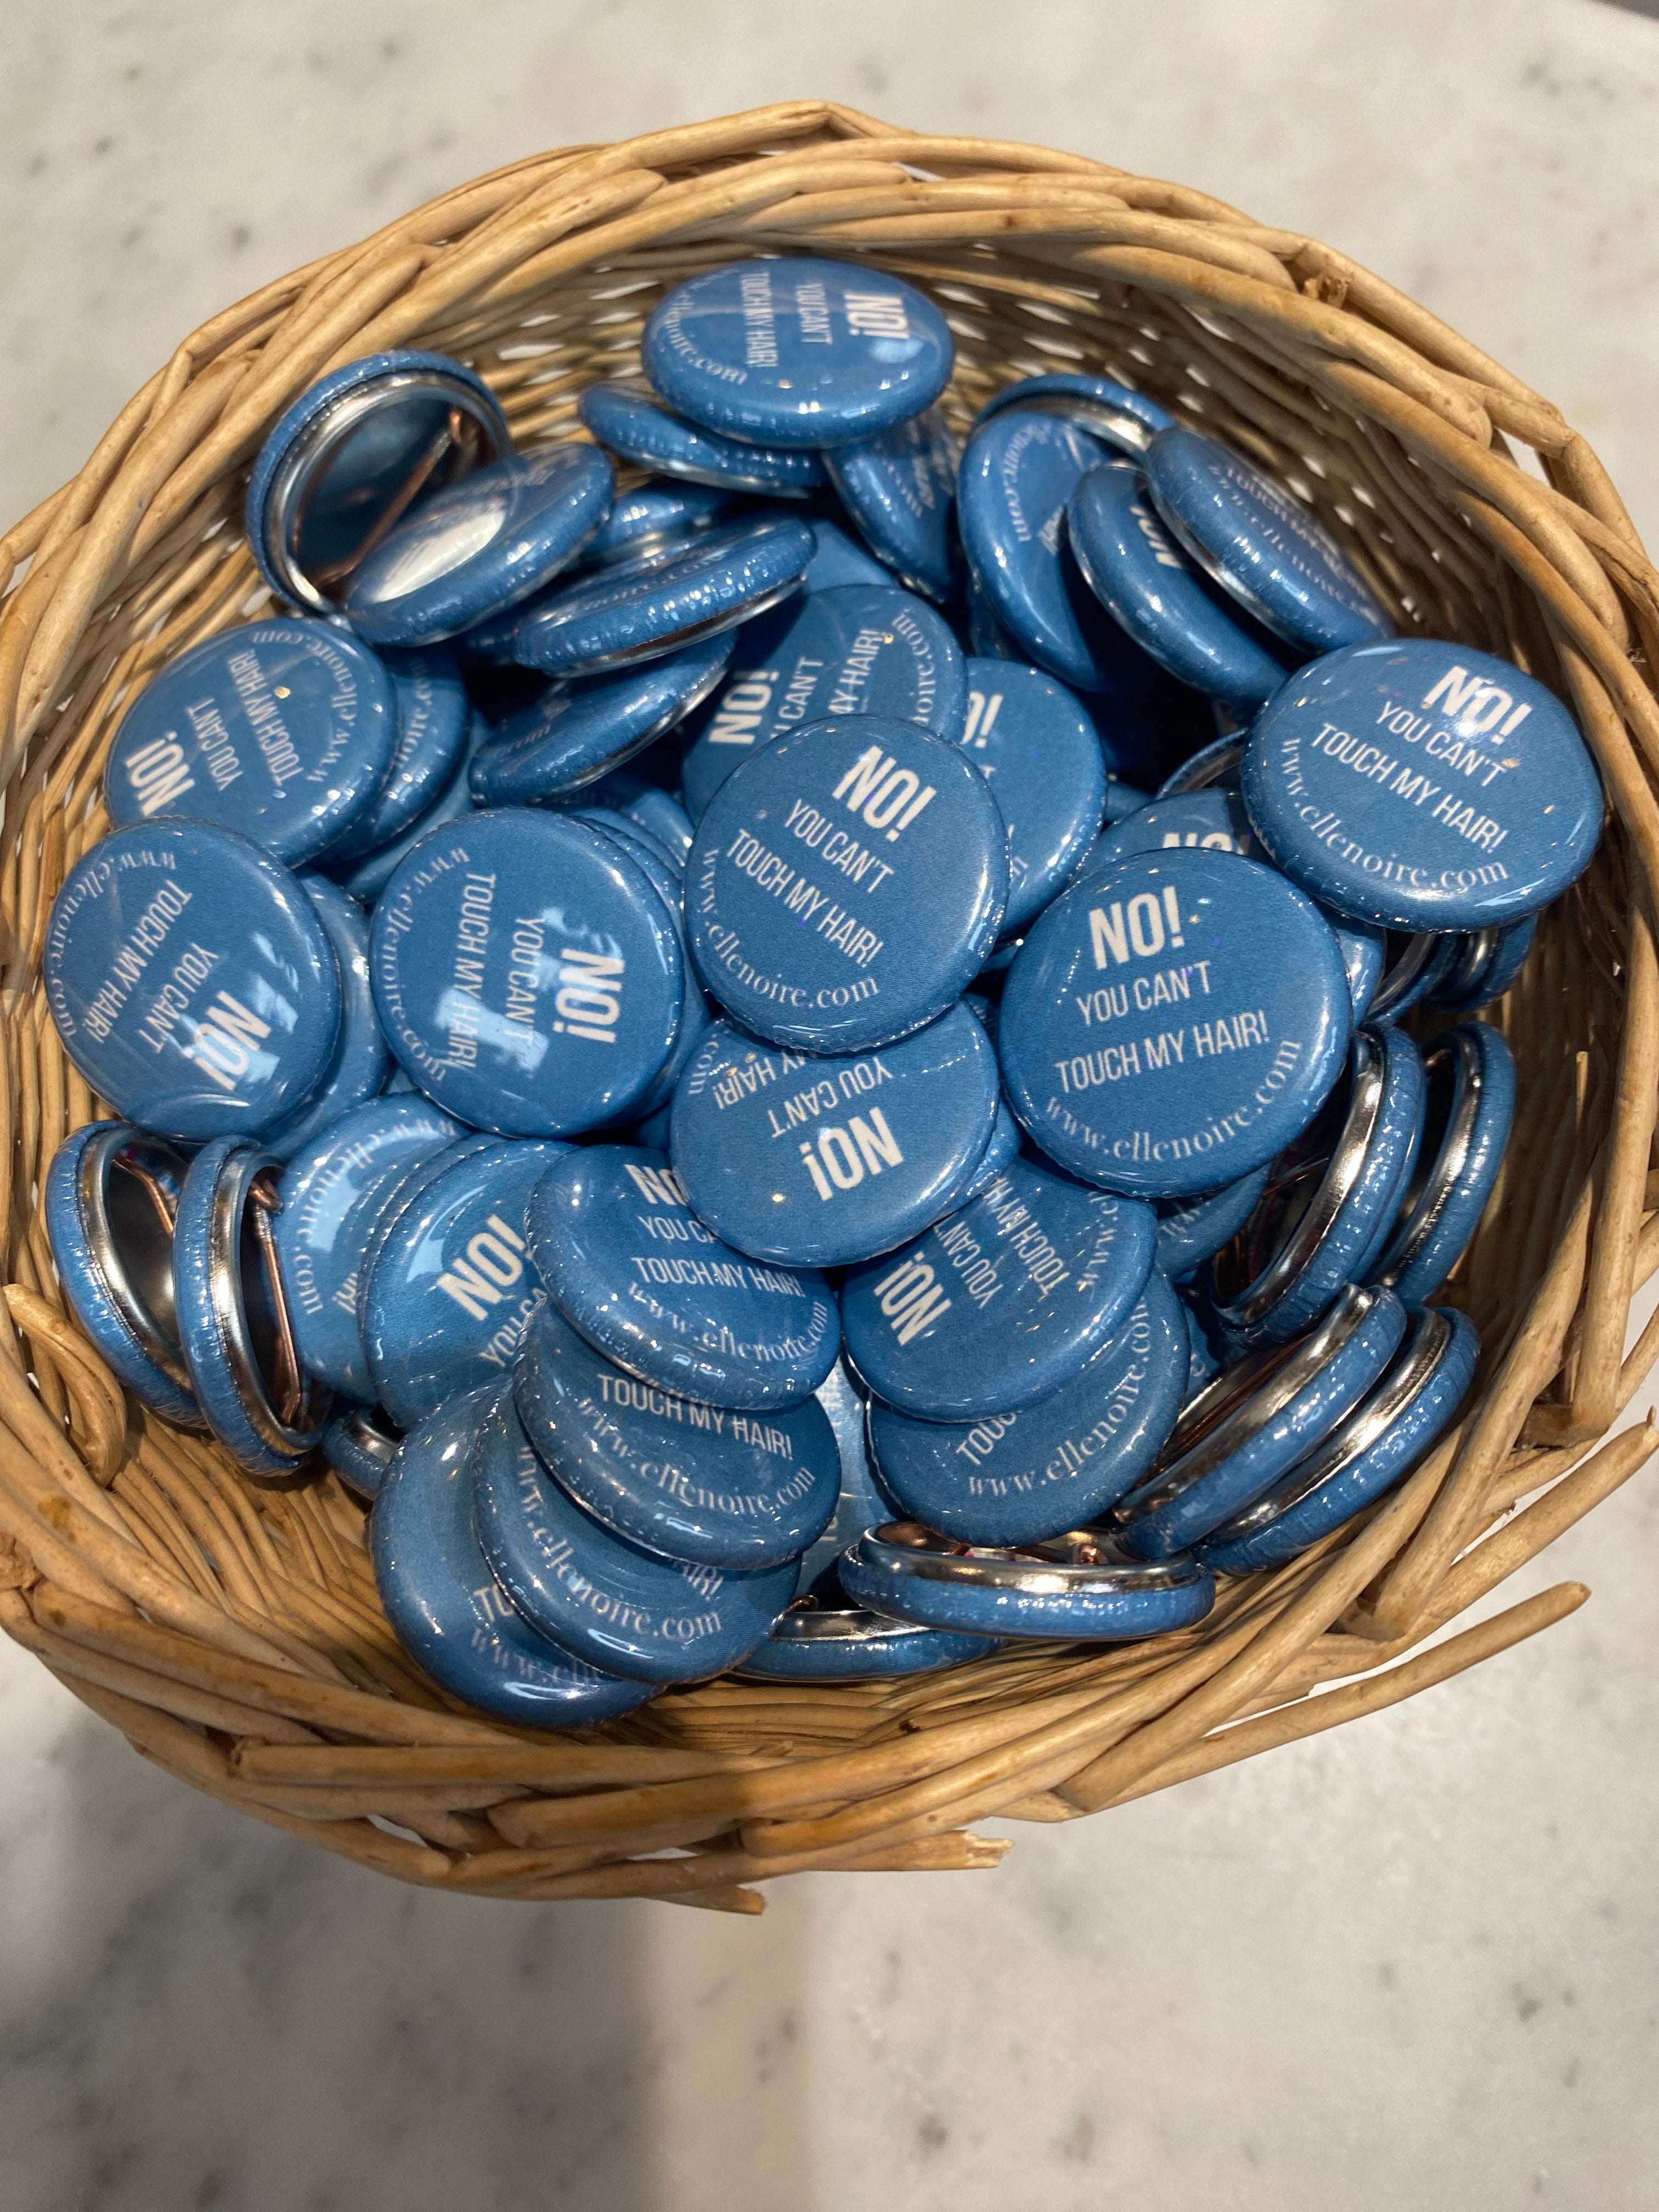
[1408,1967]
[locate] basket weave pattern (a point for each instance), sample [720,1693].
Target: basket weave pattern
[234,1633]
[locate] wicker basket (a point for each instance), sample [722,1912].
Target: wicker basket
[234,1633]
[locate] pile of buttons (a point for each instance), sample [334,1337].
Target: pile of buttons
[797,1066]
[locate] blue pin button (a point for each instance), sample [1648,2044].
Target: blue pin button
[403,1187]
[1004,1302]
[480,546]
[662,815]
[1191,1230]
[900,488]
[1017,473]
[525,972]
[1470,1105]
[450,1614]
[1160,597]
[1331,1199]
[359,1445]
[360,1061]
[653,517]
[453,1289]
[1261,544]
[1003,1146]
[1216,766]
[1423,786]
[1385,1434]
[798,353]
[1256,1420]
[862,649]
[367,877]
[847,884]
[820,1162]
[657,604]
[840,560]
[432,721]
[631,1268]
[190,980]
[1488,964]
[614,1606]
[694,1483]
[695,1012]
[576,732]
[1016,1478]
[861,1503]
[332,1191]
[1206,1347]
[627,419]
[1039,752]
[1125,421]
[352,453]
[281,729]
[827,1638]
[1080,1586]
[1173,1022]
[112,1192]
[229,1300]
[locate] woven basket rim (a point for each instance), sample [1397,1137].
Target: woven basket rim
[232,1633]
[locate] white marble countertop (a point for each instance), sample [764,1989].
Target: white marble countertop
[1409,1965]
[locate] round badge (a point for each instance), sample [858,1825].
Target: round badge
[360,1446]
[986,637]
[614,1606]
[360,1061]
[662,602]
[1261,543]
[1173,1022]
[450,1615]
[863,649]
[1039,753]
[1255,1421]
[1191,1230]
[1080,1586]
[480,546]
[1004,1145]
[830,1640]
[1123,420]
[627,420]
[281,729]
[233,1323]
[662,816]
[1469,1078]
[331,1193]
[393,1200]
[1160,597]
[111,1196]
[349,456]
[1004,1302]
[1204,1347]
[840,560]
[1017,1478]
[861,1504]
[686,1481]
[1488,964]
[365,879]
[190,980]
[1017,473]
[696,1014]
[432,719]
[1423,786]
[798,353]
[453,1289]
[526,973]
[900,487]
[818,1163]
[1331,1199]
[847,884]
[576,732]
[631,1268]
[1378,1442]
[653,517]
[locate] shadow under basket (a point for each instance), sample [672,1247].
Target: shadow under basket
[234,1633]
